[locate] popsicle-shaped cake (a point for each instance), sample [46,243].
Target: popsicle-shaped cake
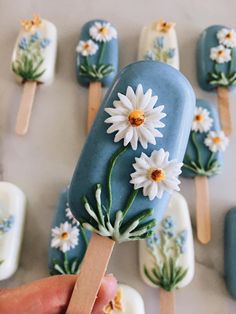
[122,182]
[230,251]
[33,63]
[126,301]
[158,41]
[167,259]
[68,240]
[96,61]
[204,159]
[12,216]
[216,67]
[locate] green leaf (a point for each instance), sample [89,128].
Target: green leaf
[153,280]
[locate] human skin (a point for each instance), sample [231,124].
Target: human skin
[51,296]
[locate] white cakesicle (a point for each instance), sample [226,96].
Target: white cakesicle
[127,301]
[158,41]
[36,43]
[170,249]
[12,216]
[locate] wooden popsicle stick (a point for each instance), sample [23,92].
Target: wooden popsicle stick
[92,271]
[224,109]
[203,216]
[24,112]
[94,101]
[167,302]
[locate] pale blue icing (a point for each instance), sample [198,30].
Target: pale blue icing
[75,253]
[110,56]
[176,94]
[230,251]
[207,41]
[205,152]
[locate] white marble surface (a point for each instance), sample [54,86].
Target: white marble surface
[42,162]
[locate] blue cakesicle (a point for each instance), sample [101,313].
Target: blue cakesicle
[68,240]
[111,207]
[199,160]
[97,53]
[216,66]
[230,251]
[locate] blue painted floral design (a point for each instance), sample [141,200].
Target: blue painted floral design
[35,37]
[168,223]
[23,44]
[45,42]
[149,55]
[159,52]
[6,224]
[159,42]
[166,247]
[29,59]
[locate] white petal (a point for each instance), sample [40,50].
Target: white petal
[145,100]
[128,135]
[117,118]
[125,101]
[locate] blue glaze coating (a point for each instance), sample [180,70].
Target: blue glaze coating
[205,65]
[205,152]
[110,56]
[75,253]
[230,251]
[175,92]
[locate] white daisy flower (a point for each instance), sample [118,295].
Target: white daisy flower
[202,122]
[70,216]
[216,141]
[220,54]
[156,174]
[102,32]
[87,48]
[65,237]
[135,118]
[227,37]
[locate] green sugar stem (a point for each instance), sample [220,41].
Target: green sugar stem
[130,201]
[84,236]
[102,51]
[195,144]
[113,160]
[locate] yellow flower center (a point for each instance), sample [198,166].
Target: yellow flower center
[158,175]
[103,30]
[221,53]
[136,117]
[199,117]
[64,236]
[216,140]
[87,46]
[229,36]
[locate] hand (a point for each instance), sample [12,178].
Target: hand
[51,296]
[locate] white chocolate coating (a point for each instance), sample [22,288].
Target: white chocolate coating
[46,30]
[147,45]
[131,301]
[178,210]
[12,202]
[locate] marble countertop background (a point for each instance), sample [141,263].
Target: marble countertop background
[42,162]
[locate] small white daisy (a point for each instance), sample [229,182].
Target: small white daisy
[156,174]
[227,37]
[220,54]
[64,237]
[216,141]
[202,122]
[135,118]
[70,216]
[102,32]
[87,48]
